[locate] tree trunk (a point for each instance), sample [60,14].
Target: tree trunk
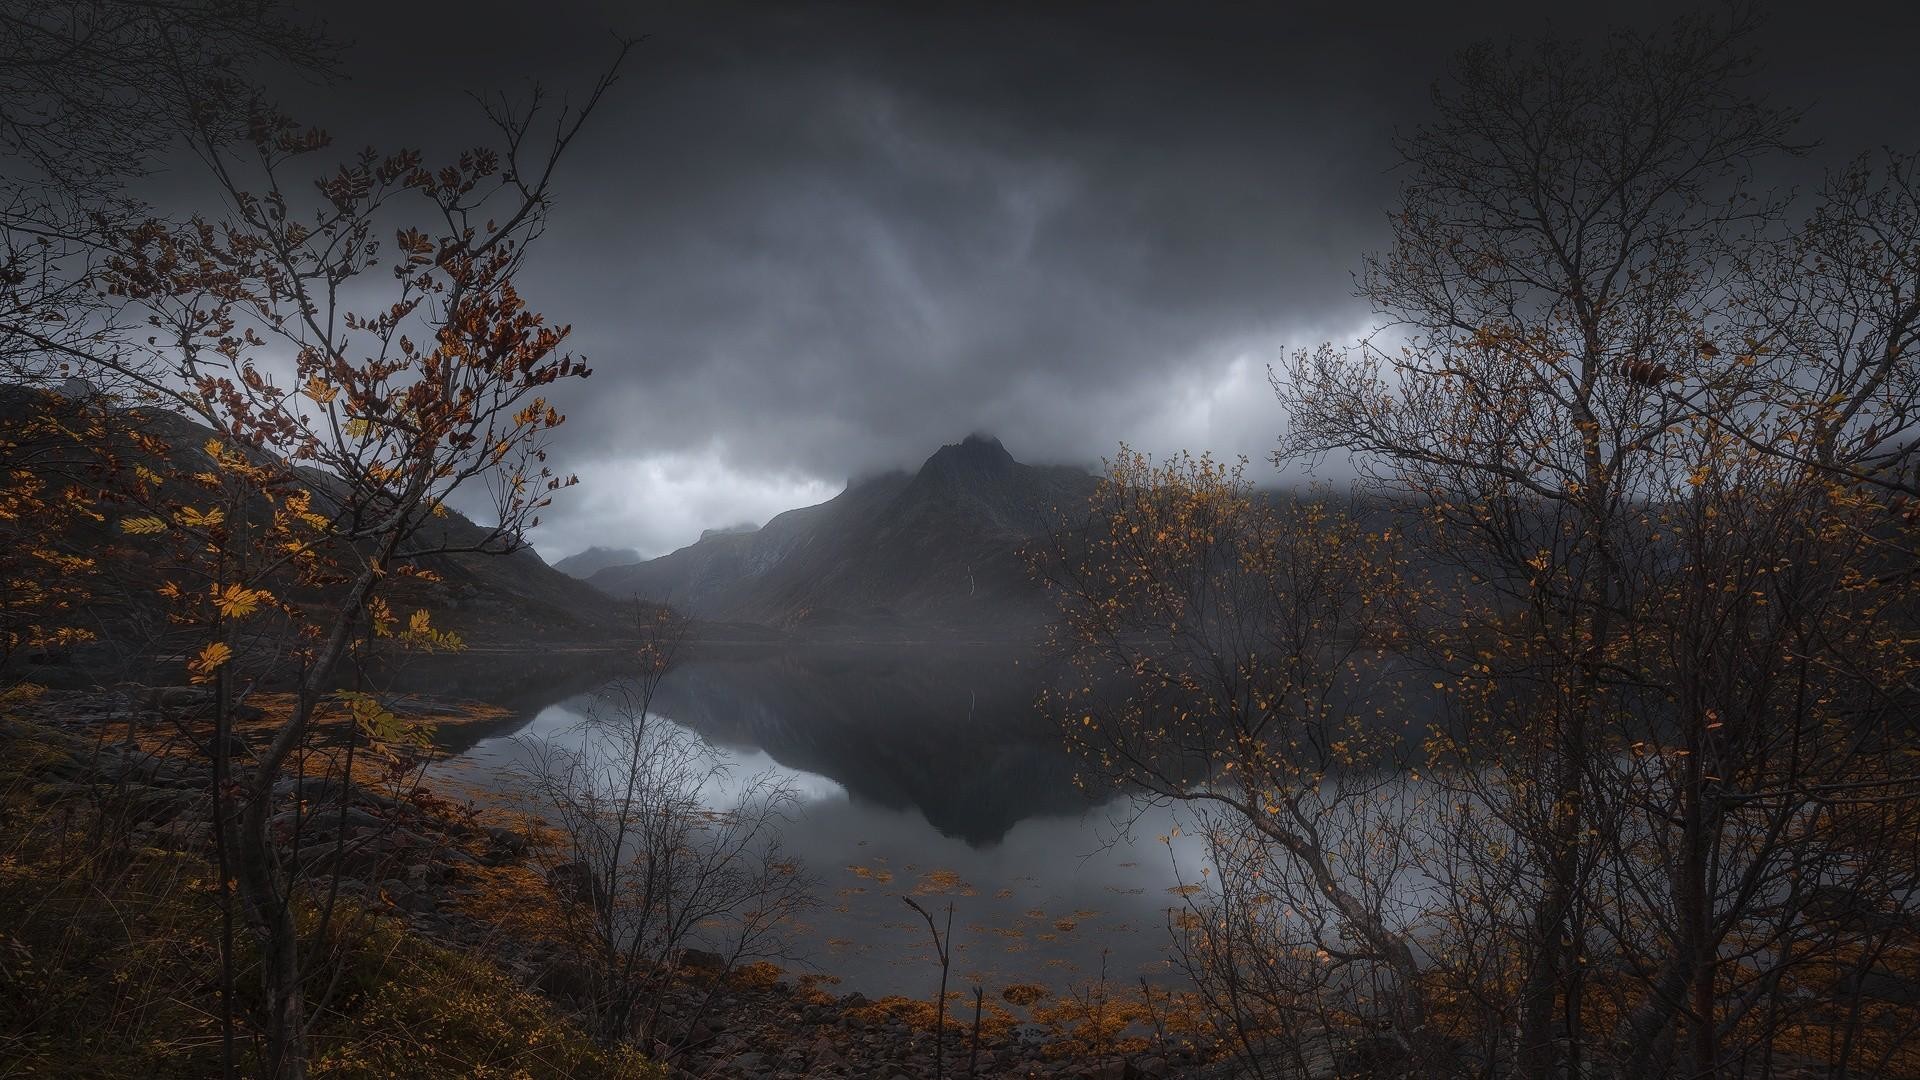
[285,1008]
[269,901]
[1697,915]
[1646,1034]
[1539,995]
[223,861]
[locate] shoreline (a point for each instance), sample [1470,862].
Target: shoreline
[464,878]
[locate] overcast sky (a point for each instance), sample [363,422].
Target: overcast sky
[807,241]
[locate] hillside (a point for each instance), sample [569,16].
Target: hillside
[496,600]
[934,549]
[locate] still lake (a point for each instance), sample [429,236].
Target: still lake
[919,769]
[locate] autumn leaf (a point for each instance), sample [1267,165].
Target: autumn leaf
[202,667]
[237,601]
[142,526]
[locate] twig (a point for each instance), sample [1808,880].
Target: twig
[940,1006]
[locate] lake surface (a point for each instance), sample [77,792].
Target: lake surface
[920,770]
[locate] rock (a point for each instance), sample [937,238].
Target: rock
[823,1055]
[507,841]
[576,883]
[179,698]
[503,848]
[702,961]
[1111,1069]
[404,840]
[328,818]
[404,898]
[426,877]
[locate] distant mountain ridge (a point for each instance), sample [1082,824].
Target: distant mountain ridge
[935,548]
[585,564]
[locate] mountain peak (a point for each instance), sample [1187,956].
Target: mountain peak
[937,547]
[975,453]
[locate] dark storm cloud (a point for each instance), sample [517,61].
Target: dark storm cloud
[802,242]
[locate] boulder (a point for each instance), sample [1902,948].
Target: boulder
[503,846]
[702,961]
[576,883]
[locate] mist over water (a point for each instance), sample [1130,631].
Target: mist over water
[919,770]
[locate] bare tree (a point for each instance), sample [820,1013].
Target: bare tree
[1635,436]
[1646,442]
[1832,312]
[662,850]
[1227,654]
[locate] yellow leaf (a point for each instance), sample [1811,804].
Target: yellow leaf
[142,526]
[202,667]
[237,601]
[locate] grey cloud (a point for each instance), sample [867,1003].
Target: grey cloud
[806,241]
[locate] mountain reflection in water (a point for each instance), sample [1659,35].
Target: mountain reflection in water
[951,733]
[921,769]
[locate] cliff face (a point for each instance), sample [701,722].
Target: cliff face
[938,547]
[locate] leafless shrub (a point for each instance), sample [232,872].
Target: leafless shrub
[667,858]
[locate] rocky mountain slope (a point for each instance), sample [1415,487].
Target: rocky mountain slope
[935,548]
